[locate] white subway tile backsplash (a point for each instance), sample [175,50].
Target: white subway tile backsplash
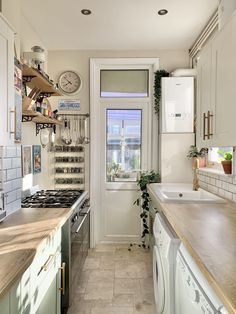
[18,194]
[213,181]
[229,195]
[11,174]
[18,151]
[5,164]
[18,173]
[10,151]
[7,186]
[16,162]
[225,185]
[16,184]
[11,197]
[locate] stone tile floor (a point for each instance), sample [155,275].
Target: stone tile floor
[115,281]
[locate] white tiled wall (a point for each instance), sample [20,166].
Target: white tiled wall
[11,176]
[221,184]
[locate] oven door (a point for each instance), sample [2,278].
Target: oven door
[79,243]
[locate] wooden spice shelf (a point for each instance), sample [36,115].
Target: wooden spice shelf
[34,78]
[37,117]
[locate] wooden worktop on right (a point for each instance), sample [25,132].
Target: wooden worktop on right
[208,232]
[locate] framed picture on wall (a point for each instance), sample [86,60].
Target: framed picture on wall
[36,159]
[26,160]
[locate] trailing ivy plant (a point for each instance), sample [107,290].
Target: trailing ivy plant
[144,200]
[157,89]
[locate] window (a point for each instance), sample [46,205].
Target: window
[216,154]
[123,144]
[124,83]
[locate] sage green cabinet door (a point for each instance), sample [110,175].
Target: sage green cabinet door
[49,302]
[5,305]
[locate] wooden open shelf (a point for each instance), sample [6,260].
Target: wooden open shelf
[42,119]
[37,117]
[34,78]
[30,113]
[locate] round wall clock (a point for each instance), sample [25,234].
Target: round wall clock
[69,82]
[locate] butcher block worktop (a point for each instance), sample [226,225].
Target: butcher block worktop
[208,231]
[22,235]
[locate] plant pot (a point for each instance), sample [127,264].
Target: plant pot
[227,166]
[202,161]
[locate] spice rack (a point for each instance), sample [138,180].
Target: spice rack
[69,167]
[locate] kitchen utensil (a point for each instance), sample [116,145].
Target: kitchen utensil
[81,131]
[65,137]
[86,131]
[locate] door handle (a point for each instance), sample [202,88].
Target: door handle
[209,124]
[63,278]
[205,117]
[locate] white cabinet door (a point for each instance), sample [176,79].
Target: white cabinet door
[204,101]
[224,93]
[6,83]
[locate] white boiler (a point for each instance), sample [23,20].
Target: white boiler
[177,107]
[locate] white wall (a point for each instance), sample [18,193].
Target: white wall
[59,61]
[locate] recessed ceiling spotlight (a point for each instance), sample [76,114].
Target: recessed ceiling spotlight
[86,12]
[162,12]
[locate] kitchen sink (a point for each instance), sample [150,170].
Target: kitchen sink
[183,193]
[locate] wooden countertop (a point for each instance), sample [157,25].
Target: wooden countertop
[22,235]
[208,231]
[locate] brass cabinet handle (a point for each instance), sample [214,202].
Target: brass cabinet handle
[209,126]
[48,262]
[63,278]
[205,117]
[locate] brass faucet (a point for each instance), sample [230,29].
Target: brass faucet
[196,185]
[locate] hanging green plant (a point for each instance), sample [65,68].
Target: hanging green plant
[144,200]
[157,89]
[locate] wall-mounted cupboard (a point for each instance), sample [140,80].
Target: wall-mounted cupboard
[7,108]
[216,95]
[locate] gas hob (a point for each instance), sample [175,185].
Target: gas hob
[53,199]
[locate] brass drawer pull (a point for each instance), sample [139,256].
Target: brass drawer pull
[205,117]
[209,127]
[63,278]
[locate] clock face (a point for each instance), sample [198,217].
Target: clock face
[69,82]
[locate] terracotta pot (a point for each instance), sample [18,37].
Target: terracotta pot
[202,161]
[227,166]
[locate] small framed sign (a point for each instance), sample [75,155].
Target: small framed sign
[36,159]
[69,105]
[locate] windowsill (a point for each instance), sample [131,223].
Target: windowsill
[215,171]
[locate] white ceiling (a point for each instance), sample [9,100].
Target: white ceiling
[118,24]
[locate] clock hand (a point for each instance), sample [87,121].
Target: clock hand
[69,82]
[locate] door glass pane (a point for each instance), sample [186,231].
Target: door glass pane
[123,147]
[124,83]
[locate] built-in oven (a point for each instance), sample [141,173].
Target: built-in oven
[80,238]
[75,246]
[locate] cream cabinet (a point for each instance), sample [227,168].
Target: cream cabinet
[7,113]
[216,91]
[204,96]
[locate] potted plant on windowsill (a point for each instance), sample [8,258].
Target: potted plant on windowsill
[227,163]
[201,155]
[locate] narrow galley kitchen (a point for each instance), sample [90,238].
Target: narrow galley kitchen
[117,157]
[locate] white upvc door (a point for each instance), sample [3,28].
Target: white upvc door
[114,216]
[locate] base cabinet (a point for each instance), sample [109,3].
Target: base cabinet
[39,289]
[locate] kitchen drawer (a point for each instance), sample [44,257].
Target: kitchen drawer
[43,287]
[43,261]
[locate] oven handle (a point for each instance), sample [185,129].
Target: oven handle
[85,213]
[84,217]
